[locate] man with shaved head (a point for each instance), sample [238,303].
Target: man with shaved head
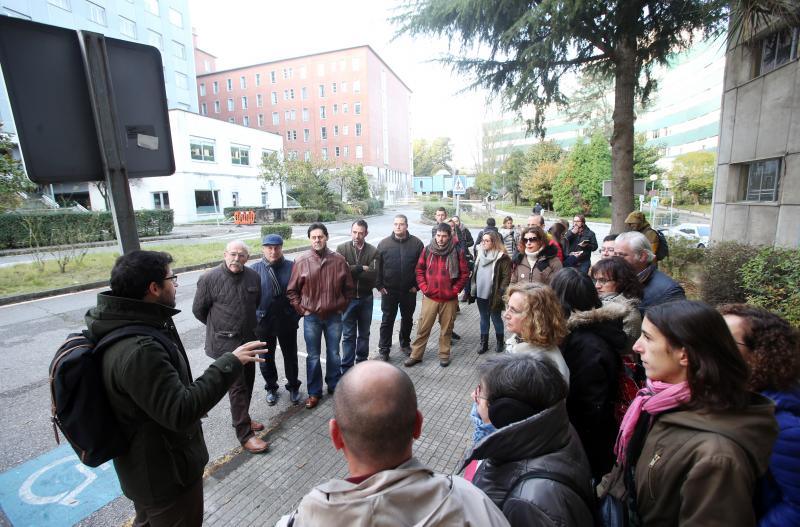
[375,423]
[226,300]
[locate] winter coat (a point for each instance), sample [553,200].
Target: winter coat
[592,350]
[364,281]
[554,354]
[398,263]
[638,222]
[410,494]
[699,468]
[510,238]
[321,285]
[155,399]
[659,289]
[501,275]
[274,312]
[632,321]
[226,303]
[543,442]
[547,264]
[779,489]
[433,276]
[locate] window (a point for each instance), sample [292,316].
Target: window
[306,135]
[258,79]
[359,151]
[240,155]
[244,103]
[293,155]
[264,197]
[759,180]
[335,109]
[294,135]
[181,80]
[336,151]
[235,199]
[324,154]
[151,6]
[345,151]
[305,115]
[272,77]
[203,109]
[358,129]
[286,115]
[259,100]
[356,86]
[320,70]
[206,201]
[778,49]
[343,85]
[276,120]
[356,65]
[333,87]
[229,84]
[261,120]
[97,13]
[304,93]
[291,93]
[357,108]
[63,4]
[322,90]
[232,120]
[293,115]
[342,64]
[179,50]
[322,113]
[306,156]
[303,72]
[285,95]
[230,105]
[243,82]
[202,89]
[175,18]
[288,135]
[161,200]
[216,106]
[345,130]
[202,149]
[336,131]
[206,65]
[274,97]
[344,107]
[215,87]
[287,73]
[246,120]
[155,39]
[127,27]
[333,67]
[323,132]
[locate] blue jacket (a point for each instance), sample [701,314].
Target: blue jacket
[780,488]
[659,288]
[275,308]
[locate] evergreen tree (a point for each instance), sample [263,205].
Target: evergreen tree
[13,179]
[578,186]
[357,184]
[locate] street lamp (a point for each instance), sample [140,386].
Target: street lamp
[653,178]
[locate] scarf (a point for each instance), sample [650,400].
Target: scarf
[447,252]
[533,256]
[487,258]
[276,286]
[655,398]
[646,273]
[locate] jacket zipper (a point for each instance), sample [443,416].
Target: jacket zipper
[650,474]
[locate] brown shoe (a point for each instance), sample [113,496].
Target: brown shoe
[411,361]
[255,426]
[312,401]
[255,445]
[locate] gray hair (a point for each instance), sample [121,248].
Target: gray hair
[237,243]
[526,377]
[637,242]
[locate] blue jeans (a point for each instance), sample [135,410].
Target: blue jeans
[355,331]
[486,313]
[313,328]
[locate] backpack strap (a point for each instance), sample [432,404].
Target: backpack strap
[558,478]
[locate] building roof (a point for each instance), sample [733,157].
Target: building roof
[307,56]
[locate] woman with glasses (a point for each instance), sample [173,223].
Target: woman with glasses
[771,347]
[538,261]
[616,281]
[490,279]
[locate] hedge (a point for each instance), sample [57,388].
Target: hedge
[771,279]
[429,209]
[283,229]
[304,216]
[27,229]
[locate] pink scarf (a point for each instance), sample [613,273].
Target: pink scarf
[655,398]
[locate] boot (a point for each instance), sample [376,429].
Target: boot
[501,342]
[484,344]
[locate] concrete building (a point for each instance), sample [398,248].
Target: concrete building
[216,166]
[439,183]
[757,185]
[346,106]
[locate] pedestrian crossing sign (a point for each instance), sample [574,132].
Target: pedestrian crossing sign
[459,185]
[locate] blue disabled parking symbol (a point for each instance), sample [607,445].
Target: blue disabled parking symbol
[56,489]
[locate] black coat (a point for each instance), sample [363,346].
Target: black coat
[398,263]
[592,350]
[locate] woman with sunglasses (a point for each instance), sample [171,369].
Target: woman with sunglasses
[490,279]
[538,260]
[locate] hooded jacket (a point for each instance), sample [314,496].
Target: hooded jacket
[547,264]
[632,321]
[593,350]
[700,468]
[501,275]
[410,494]
[638,222]
[543,442]
[155,399]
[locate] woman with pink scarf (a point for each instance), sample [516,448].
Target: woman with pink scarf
[694,440]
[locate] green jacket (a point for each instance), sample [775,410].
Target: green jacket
[155,400]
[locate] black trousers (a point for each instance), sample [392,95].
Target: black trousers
[185,510]
[390,302]
[239,394]
[288,341]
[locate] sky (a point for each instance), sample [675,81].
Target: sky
[244,32]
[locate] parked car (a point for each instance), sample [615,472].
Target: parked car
[697,232]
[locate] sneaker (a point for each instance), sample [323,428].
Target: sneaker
[294,395]
[272,397]
[411,362]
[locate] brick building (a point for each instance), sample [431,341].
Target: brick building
[346,106]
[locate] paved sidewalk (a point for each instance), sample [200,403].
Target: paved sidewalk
[258,489]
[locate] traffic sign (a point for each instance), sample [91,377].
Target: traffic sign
[459,185]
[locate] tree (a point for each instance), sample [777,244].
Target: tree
[578,186]
[310,184]
[433,156]
[13,179]
[527,48]
[692,175]
[357,184]
[645,159]
[275,171]
[543,165]
[514,169]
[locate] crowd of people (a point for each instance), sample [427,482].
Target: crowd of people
[607,387]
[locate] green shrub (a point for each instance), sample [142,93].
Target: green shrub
[327,215]
[283,229]
[683,257]
[304,216]
[155,222]
[358,208]
[721,272]
[374,206]
[771,279]
[429,209]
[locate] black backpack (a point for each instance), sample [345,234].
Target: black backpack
[663,248]
[78,401]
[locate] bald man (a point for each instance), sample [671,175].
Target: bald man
[375,423]
[225,301]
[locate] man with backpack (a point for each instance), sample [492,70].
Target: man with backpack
[636,221]
[151,392]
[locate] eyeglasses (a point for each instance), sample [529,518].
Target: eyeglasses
[602,281]
[478,393]
[172,277]
[531,240]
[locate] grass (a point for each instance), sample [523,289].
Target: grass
[704,208]
[30,277]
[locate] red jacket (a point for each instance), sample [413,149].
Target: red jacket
[433,277]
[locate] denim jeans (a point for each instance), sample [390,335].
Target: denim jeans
[313,329]
[485,311]
[355,331]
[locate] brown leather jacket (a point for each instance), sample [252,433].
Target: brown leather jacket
[320,285]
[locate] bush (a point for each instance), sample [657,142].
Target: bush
[771,279]
[358,208]
[374,206]
[155,222]
[683,257]
[283,229]
[327,215]
[429,209]
[304,216]
[721,281]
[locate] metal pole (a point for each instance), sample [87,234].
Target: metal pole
[112,153]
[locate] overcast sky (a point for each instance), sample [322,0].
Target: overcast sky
[243,32]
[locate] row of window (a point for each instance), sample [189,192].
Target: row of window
[206,201]
[288,93]
[288,74]
[291,135]
[777,49]
[338,151]
[97,14]
[289,115]
[205,150]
